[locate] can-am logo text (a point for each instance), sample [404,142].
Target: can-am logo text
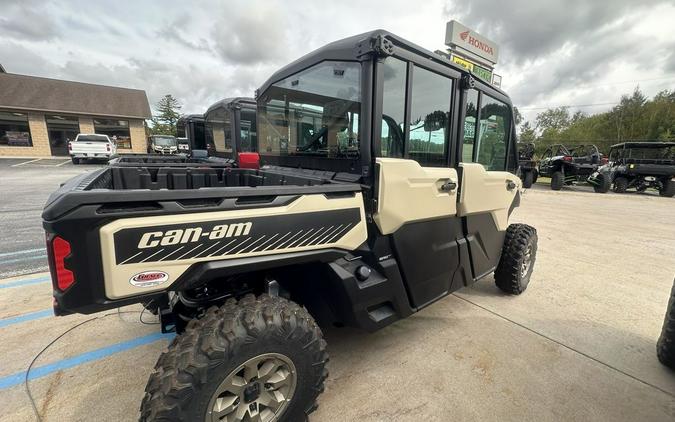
[194,234]
[149,278]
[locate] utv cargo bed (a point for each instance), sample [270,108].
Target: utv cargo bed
[100,219]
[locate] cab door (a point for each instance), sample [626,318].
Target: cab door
[416,189]
[488,192]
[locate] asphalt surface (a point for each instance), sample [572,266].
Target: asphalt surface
[26,184]
[578,345]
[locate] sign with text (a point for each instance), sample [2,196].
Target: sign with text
[460,36]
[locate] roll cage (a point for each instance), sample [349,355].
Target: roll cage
[370,50]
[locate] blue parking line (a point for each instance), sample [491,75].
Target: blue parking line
[25,282]
[94,355]
[26,317]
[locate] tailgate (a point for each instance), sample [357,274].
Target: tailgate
[89,147]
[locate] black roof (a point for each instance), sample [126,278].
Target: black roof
[654,144]
[228,102]
[191,117]
[350,49]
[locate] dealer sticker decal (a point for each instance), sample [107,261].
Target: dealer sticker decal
[149,278]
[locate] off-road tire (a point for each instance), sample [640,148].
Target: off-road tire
[535,175]
[620,185]
[665,347]
[557,180]
[509,275]
[190,371]
[668,189]
[528,179]
[602,184]
[74,160]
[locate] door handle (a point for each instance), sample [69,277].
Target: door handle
[448,186]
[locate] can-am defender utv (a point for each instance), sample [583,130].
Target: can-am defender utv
[374,204]
[230,131]
[638,165]
[568,166]
[527,164]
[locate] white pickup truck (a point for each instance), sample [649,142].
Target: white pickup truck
[88,146]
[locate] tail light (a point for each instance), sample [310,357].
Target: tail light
[567,158]
[249,160]
[70,146]
[60,250]
[107,147]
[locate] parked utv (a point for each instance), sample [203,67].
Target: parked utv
[230,131]
[639,166]
[527,165]
[568,166]
[191,126]
[162,144]
[372,206]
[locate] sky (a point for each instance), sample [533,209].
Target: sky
[552,53]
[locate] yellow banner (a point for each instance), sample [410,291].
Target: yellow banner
[464,63]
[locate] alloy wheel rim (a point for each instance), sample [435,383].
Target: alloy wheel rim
[260,389]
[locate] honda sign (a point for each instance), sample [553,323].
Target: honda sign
[459,36]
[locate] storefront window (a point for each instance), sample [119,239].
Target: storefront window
[61,130]
[14,130]
[117,131]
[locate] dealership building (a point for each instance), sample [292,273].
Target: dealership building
[38,116]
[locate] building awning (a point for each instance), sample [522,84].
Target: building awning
[21,92]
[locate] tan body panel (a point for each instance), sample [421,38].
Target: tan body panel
[117,277]
[409,192]
[486,191]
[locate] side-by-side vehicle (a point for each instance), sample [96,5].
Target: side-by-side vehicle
[374,203]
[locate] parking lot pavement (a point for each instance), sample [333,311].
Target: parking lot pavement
[26,184]
[578,345]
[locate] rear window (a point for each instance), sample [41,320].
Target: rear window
[313,113]
[92,138]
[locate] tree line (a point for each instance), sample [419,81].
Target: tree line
[634,118]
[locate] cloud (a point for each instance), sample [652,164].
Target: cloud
[529,29]
[252,32]
[23,21]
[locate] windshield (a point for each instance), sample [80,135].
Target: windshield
[164,141]
[314,112]
[662,153]
[92,138]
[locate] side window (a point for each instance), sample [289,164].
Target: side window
[429,121]
[493,133]
[393,108]
[469,138]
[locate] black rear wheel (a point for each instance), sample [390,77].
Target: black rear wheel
[668,189]
[620,185]
[557,180]
[602,184]
[517,261]
[74,160]
[257,359]
[528,179]
[665,347]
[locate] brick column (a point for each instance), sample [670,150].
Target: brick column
[139,143]
[86,125]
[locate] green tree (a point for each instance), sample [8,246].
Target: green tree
[168,112]
[527,133]
[517,117]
